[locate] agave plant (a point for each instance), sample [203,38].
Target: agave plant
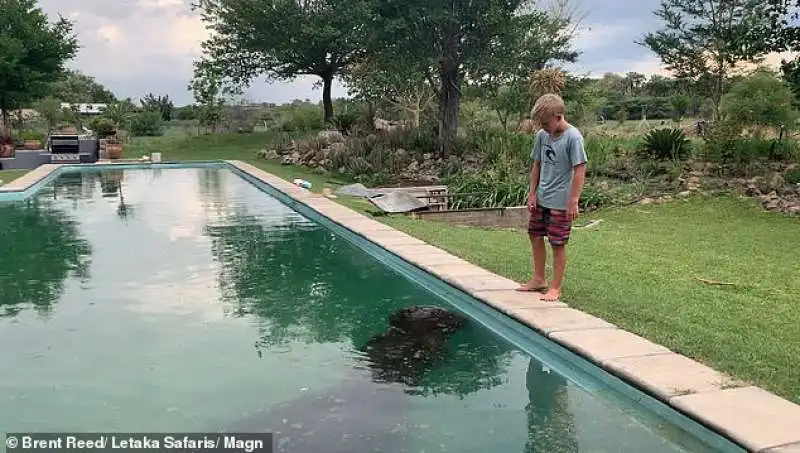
[666,143]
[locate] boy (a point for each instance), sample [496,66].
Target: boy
[557,178]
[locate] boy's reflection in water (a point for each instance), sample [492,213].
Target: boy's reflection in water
[551,425]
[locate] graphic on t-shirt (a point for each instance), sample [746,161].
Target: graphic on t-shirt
[550,153]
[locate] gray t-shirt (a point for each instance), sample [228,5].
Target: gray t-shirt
[558,158]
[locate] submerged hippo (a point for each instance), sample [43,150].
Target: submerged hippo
[422,320]
[412,345]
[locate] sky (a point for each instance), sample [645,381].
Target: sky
[134,47]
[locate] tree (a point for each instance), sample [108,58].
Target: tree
[283,39]
[207,89]
[708,37]
[74,87]
[50,111]
[380,78]
[32,53]
[759,102]
[457,42]
[160,104]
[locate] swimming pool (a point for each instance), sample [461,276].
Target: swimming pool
[188,299]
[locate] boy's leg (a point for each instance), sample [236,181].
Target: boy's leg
[537,229]
[558,230]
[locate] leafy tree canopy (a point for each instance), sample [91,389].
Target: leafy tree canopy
[283,39]
[708,37]
[74,87]
[32,53]
[459,43]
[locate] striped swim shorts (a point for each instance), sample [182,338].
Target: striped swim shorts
[553,223]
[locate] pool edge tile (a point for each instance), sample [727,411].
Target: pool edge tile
[30,179]
[551,320]
[793,447]
[427,257]
[758,419]
[671,375]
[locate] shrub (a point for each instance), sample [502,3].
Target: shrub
[666,143]
[739,151]
[759,102]
[103,127]
[147,124]
[792,177]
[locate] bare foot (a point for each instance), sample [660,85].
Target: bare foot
[551,295]
[533,285]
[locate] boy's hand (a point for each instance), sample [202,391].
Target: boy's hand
[531,202]
[572,210]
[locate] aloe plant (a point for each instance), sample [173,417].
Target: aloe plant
[666,143]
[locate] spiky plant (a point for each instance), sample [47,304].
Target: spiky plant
[666,143]
[548,80]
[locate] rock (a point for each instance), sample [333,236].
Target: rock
[776,181]
[291,159]
[329,137]
[752,190]
[795,209]
[337,147]
[269,154]
[646,200]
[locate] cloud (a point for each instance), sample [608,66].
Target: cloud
[598,35]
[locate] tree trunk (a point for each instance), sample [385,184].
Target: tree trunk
[449,105]
[371,115]
[5,124]
[327,102]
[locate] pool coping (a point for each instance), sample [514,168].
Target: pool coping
[752,417]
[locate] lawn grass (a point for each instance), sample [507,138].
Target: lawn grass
[6,176]
[637,269]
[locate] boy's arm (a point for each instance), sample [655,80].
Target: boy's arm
[536,154]
[578,157]
[535,171]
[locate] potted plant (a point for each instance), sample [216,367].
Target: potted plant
[113,148]
[32,140]
[6,144]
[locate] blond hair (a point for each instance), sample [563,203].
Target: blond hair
[547,106]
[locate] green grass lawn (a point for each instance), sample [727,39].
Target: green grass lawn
[6,176]
[638,269]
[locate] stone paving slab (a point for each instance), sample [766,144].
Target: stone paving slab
[670,375]
[602,345]
[792,448]
[29,179]
[392,237]
[756,418]
[459,270]
[516,299]
[559,319]
[425,254]
[472,283]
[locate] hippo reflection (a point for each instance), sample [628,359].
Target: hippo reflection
[412,345]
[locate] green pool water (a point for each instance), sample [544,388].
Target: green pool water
[187,299]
